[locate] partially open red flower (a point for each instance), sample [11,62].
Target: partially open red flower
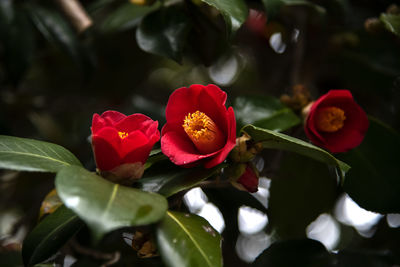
[336,122]
[249,179]
[199,127]
[118,139]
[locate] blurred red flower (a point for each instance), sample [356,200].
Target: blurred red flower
[249,180]
[336,122]
[199,128]
[256,22]
[118,139]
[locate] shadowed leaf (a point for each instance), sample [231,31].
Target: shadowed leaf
[24,154]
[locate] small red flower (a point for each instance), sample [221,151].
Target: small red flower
[336,122]
[118,139]
[249,180]
[199,127]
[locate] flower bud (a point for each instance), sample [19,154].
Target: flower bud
[248,180]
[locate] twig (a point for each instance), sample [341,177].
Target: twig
[77,15]
[214,184]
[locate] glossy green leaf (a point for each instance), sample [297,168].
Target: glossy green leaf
[373,181]
[391,22]
[164,32]
[23,154]
[188,240]
[302,252]
[106,206]
[126,16]
[274,140]
[233,11]
[264,111]
[273,6]
[300,191]
[168,179]
[50,235]
[155,156]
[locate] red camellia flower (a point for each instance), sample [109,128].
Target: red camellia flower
[336,122]
[199,127]
[249,180]
[118,139]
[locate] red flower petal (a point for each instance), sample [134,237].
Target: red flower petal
[132,142]
[230,144]
[108,118]
[136,122]
[181,102]
[105,147]
[136,147]
[213,105]
[178,147]
[112,117]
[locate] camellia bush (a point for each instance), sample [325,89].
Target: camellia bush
[122,120]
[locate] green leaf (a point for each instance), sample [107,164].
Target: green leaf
[106,206]
[373,181]
[50,235]
[264,111]
[168,179]
[155,156]
[126,16]
[273,6]
[300,191]
[164,32]
[23,154]
[302,252]
[234,12]
[391,22]
[274,140]
[188,240]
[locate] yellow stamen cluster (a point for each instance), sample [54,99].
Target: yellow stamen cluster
[203,132]
[330,119]
[122,135]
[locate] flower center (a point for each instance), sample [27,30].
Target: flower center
[203,132]
[122,135]
[330,119]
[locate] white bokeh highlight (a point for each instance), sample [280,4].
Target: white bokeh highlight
[251,221]
[197,203]
[326,230]
[350,213]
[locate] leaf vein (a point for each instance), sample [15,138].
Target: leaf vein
[35,155]
[191,238]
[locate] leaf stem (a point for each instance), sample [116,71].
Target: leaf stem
[215,184]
